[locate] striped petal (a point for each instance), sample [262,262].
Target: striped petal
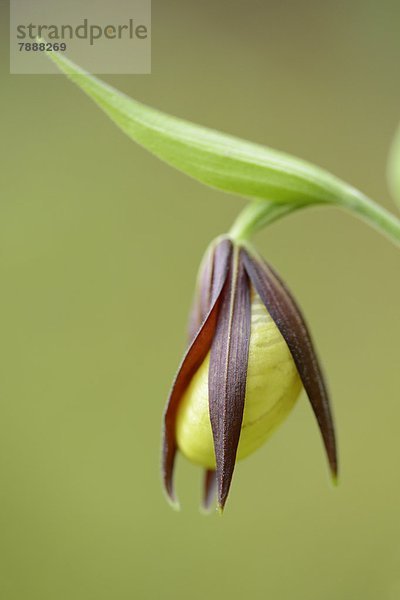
[191,362]
[202,297]
[228,373]
[290,322]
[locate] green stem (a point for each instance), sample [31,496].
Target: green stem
[258,214]
[375,215]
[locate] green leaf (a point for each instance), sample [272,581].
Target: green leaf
[394,167]
[225,162]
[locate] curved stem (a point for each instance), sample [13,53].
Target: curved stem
[259,214]
[375,215]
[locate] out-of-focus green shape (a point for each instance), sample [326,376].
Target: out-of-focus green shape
[226,162]
[394,167]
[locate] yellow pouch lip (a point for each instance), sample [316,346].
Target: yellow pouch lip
[272,388]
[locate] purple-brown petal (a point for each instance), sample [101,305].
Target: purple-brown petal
[228,373]
[191,362]
[290,322]
[209,486]
[202,298]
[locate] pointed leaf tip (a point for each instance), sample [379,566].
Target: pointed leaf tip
[212,157]
[224,161]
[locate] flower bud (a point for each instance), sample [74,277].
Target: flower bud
[250,354]
[272,388]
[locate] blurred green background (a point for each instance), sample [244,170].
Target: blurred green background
[100,245]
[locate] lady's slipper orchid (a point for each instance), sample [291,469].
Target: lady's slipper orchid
[249,355]
[251,348]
